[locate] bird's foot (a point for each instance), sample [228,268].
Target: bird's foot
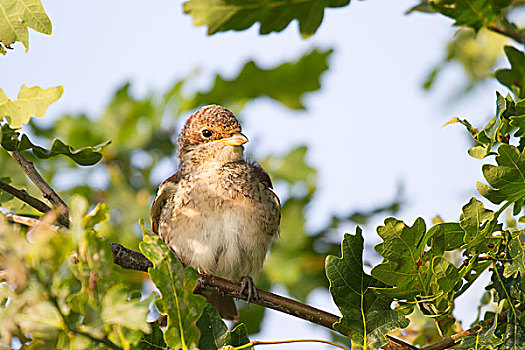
[248,288]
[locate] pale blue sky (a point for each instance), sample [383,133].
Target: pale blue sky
[369,127]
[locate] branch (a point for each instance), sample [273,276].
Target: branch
[450,341]
[517,36]
[48,193]
[231,288]
[130,259]
[32,201]
[27,221]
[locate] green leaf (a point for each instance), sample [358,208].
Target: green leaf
[514,337]
[366,317]
[215,333]
[517,118]
[273,15]
[404,265]
[292,168]
[423,7]
[176,285]
[212,327]
[286,83]
[16,16]
[445,273]
[96,216]
[493,132]
[445,236]
[236,337]
[515,258]
[475,221]
[117,310]
[12,141]
[506,288]
[31,102]
[471,13]
[154,340]
[507,178]
[513,78]
[484,339]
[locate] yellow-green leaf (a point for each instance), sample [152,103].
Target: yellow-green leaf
[18,15]
[31,102]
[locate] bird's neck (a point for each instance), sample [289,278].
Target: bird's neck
[193,161]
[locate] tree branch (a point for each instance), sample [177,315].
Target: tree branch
[130,259]
[450,341]
[32,201]
[48,193]
[517,36]
[27,221]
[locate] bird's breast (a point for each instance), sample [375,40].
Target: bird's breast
[217,229]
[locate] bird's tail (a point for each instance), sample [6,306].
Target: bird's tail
[224,305]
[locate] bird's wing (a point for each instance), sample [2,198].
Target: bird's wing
[166,190]
[264,178]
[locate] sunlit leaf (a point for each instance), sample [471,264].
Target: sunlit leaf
[515,257]
[445,236]
[16,16]
[404,265]
[507,179]
[471,13]
[176,285]
[96,216]
[118,310]
[475,220]
[366,317]
[31,102]
[273,15]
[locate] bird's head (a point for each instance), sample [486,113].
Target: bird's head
[212,134]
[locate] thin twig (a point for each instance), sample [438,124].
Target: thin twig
[48,193]
[450,341]
[25,197]
[27,221]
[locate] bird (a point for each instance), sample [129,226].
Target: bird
[218,212]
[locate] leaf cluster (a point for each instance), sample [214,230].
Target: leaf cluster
[63,291]
[62,287]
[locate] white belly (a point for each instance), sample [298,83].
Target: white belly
[227,242]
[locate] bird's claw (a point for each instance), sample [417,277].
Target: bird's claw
[248,288]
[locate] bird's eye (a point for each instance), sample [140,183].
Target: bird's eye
[206,133]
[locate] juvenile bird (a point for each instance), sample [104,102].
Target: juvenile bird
[218,211]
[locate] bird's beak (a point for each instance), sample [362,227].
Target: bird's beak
[236,140]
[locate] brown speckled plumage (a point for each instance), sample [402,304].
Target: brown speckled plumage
[218,212]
